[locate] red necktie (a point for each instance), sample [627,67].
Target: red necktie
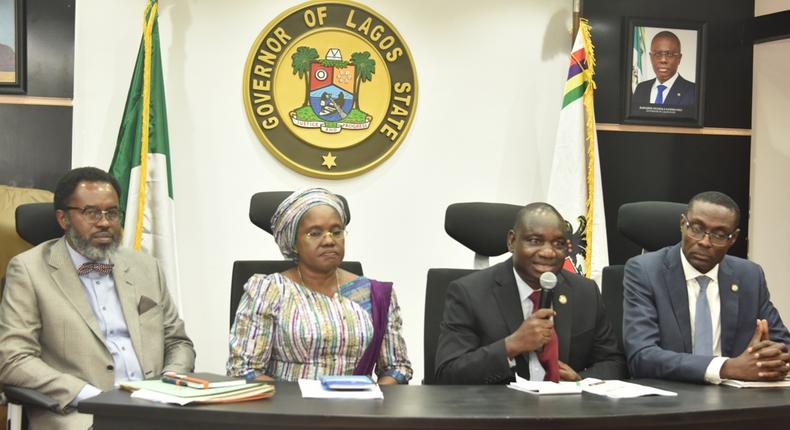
[549,357]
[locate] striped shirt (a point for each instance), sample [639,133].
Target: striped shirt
[287,331]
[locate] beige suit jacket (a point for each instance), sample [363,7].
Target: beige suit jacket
[50,339]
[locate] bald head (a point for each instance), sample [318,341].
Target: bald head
[538,212]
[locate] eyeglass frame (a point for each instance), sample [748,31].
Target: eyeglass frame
[334,234]
[103,214]
[666,54]
[712,236]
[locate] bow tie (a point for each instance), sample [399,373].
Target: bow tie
[95,267]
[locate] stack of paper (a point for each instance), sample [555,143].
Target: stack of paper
[312,388]
[162,392]
[756,384]
[545,387]
[621,390]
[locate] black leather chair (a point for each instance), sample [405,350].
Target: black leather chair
[262,207]
[35,223]
[651,225]
[481,227]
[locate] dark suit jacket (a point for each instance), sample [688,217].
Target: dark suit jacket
[483,308]
[682,93]
[656,324]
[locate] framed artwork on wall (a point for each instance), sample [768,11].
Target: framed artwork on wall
[664,74]
[12,47]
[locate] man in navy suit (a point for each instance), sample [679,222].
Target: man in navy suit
[668,87]
[693,313]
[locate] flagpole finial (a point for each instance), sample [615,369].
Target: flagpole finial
[577,13]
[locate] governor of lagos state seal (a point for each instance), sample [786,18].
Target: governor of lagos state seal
[330,88]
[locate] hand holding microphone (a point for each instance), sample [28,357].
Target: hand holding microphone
[536,330]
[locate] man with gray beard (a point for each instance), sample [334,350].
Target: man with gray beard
[79,315]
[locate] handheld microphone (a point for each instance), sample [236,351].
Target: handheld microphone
[548,281]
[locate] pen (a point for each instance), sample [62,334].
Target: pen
[201,382]
[595,383]
[174,381]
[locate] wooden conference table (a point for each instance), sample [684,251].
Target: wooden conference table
[458,407]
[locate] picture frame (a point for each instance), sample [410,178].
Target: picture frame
[13,53]
[665,86]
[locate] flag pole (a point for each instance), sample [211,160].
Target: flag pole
[577,13]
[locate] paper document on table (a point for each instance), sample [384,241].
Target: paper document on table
[541,388]
[755,384]
[621,390]
[312,389]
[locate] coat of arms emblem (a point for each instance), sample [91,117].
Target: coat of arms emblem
[330,88]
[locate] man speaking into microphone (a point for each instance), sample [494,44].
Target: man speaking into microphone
[496,325]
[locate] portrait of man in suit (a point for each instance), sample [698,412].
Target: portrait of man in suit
[668,87]
[492,328]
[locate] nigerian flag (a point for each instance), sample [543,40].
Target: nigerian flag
[640,57]
[142,159]
[575,184]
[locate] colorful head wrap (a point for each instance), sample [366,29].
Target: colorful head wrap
[286,219]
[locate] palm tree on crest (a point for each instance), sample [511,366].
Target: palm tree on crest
[301,61]
[364,69]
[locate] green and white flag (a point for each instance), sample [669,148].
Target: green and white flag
[142,159]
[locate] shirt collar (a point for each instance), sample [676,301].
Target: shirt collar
[692,273]
[524,290]
[668,83]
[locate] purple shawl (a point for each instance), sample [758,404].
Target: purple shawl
[380,296]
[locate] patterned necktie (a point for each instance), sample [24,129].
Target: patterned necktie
[703,328]
[549,357]
[660,95]
[95,267]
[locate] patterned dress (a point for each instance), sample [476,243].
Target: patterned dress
[287,331]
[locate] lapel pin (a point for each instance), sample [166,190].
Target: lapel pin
[562,299]
[734,288]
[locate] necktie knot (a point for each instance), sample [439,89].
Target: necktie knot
[703,282]
[104,268]
[535,297]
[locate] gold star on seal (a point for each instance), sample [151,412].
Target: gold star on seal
[329,160]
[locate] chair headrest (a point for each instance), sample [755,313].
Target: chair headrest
[36,223]
[481,227]
[263,205]
[651,225]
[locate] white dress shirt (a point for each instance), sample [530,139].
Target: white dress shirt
[712,373]
[106,305]
[668,84]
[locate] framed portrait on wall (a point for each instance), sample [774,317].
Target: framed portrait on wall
[12,46]
[664,76]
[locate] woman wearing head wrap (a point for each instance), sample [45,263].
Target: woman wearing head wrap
[315,318]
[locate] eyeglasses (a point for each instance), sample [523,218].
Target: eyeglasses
[318,235]
[665,54]
[94,214]
[696,232]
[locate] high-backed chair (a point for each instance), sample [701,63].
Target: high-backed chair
[262,207]
[481,227]
[651,225]
[35,223]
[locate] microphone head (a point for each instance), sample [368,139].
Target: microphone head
[548,280]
